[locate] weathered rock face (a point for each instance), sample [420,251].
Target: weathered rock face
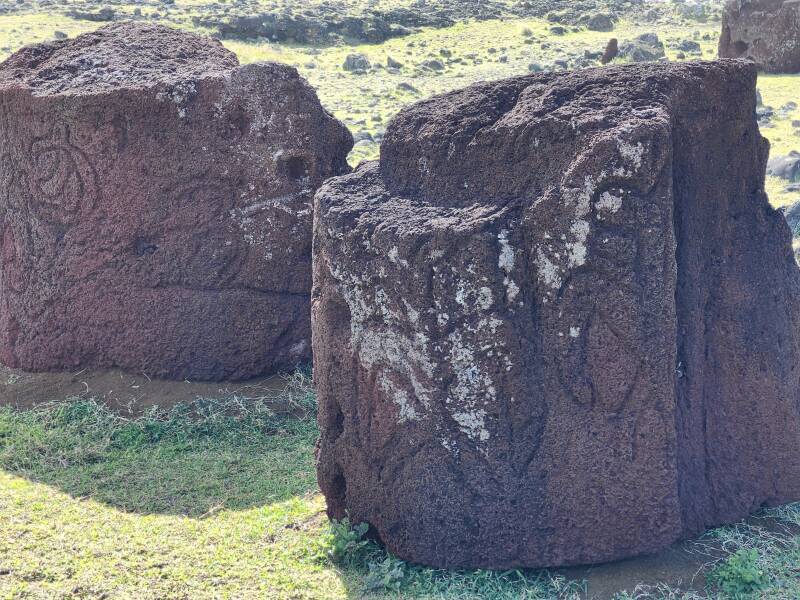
[559,322]
[767,31]
[155,206]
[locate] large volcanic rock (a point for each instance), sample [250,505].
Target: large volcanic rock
[155,206]
[767,31]
[559,322]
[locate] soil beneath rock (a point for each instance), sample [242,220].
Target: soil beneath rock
[124,392]
[679,567]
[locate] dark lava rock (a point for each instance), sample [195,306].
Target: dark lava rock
[356,63]
[432,65]
[600,22]
[559,322]
[156,206]
[689,46]
[102,15]
[766,31]
[645,48]
[785,167]
[792,214]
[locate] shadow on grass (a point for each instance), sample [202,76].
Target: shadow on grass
[191,460]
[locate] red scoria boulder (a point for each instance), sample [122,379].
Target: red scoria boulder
[155,206]
[559,321]
[766,31]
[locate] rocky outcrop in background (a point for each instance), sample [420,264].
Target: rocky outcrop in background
[766,31]
[558,322]
[155,206]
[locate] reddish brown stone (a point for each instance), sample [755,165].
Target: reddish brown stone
[766,31]
[559,322]
[155,206]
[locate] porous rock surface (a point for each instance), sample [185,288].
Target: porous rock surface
[155,206]
[558,322]
[766,31]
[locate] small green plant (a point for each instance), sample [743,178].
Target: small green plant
[344,544]
[739,576]
[386,575]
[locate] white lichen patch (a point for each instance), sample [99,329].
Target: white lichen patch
[506,260]
[394,256]
[180,95]
[632,153]
[401,399]
[473,424]
[609,203]
[574,332]
[471,297]
[386,349]
[548,271]
[506,263]
[576,250]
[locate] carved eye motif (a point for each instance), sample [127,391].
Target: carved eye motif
[61,175]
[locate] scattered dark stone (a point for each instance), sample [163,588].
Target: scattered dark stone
[532,348]
[766,31]
[792,214]
[558,30]
[102,15]
[152,219]
[689,46]
[600,22]
[786,167]
[433,65]
[393,64]
[407,87]
[60,35]
[645,48]
[356,63]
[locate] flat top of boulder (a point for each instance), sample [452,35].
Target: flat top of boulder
[118,56]
[448,148]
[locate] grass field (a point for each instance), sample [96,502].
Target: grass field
[219,500]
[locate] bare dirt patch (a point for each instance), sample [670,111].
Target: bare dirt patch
[124,392]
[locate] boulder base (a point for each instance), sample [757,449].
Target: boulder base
[766,31]
[155,206]
[559,322]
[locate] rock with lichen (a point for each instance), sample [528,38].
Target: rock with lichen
[766,31]
[155,212]
[558,322]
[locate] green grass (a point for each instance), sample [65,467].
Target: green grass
[204,501]
[219,500]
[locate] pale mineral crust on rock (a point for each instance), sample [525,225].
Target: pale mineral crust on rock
[155,206]
[559,322]
[766,31]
